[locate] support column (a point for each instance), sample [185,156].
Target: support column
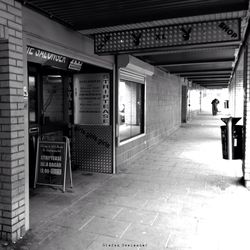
[12,179]
[246,160]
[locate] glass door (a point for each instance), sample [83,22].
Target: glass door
[55,103]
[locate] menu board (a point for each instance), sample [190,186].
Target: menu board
[51,163]
[92,99]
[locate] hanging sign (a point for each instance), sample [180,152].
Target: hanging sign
[218,31]
[52,59]
[91,99]
[75,64]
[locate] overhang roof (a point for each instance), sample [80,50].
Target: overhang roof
[209,65]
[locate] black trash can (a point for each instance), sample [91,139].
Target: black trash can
[231,139]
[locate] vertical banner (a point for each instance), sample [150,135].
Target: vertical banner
[92,99]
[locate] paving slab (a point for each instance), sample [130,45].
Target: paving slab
[179,195]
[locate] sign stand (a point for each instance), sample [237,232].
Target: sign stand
[53,161]
[68,163]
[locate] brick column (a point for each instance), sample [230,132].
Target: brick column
[246,160]
[12,179]
[239,91]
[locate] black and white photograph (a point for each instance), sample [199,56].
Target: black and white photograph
[124,124]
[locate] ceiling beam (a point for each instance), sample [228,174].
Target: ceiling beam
[210,84]
[226,70]
[206,76]
[230,60]
[214,85]
[209,79]
[184,49]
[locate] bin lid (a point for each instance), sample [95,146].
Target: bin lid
[233,119]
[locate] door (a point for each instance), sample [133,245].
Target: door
[34,126]
[50,114]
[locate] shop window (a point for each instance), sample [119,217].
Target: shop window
[131,109]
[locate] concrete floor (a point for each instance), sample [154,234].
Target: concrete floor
[179,195]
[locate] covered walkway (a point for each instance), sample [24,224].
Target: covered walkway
[179,195]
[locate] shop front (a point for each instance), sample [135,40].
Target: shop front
[69,99]
[68,108]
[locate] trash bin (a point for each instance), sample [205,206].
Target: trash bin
[231,138]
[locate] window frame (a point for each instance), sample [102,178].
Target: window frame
[127,75]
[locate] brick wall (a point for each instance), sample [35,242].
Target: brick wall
[232,95]
[194,101]
[239,95]
[236,91]
[246,160]
[163,115]
[12,205]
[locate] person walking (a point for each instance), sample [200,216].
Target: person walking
[215,103]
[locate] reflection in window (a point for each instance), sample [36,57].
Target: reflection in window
[52,99]
[32,100]
[131,109]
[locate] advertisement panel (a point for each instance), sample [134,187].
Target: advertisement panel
[92,99]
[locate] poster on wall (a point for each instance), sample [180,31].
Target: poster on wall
[91,99]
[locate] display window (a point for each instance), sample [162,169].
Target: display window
[131,107]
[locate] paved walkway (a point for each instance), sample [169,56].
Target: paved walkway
[180,195]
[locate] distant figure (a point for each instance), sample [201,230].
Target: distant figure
[214,103]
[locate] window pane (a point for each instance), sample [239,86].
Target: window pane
[130,109]
[53,99]
[32,100]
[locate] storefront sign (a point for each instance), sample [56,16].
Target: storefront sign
[51,163]
[91,99]
[52,59]
[218,31]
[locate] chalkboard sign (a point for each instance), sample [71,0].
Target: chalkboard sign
[52,162]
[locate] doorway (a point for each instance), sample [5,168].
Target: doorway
[50,107]
[56,111]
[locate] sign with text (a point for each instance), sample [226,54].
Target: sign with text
[52,59]
[92,99]
[51,163]
[217,31]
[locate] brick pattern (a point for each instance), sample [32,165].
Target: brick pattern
[246,160]
[194,101]
[232,96]
[163,115]
[12,205]
[236,92]
[239,96]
